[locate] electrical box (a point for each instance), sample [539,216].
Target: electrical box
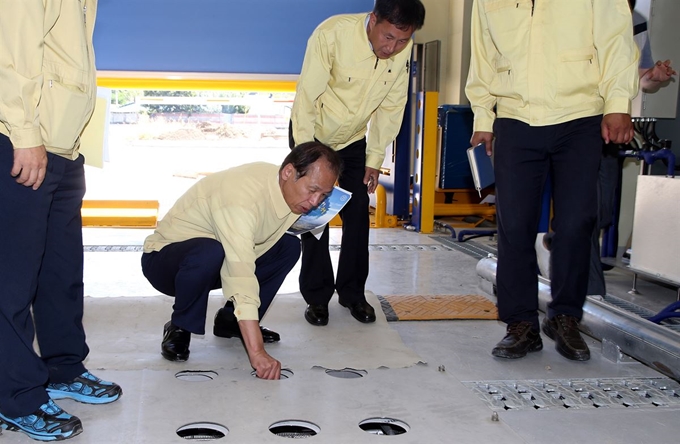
[455,128]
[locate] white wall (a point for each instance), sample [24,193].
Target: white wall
[449,22]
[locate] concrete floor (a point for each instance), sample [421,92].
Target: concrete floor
[438,399]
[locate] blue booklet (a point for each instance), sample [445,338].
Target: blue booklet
[317,218]
[481,167]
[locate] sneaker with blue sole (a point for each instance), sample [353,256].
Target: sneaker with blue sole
[48,423]
[86,388]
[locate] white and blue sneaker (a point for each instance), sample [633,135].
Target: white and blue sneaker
[86,388]
[48,423]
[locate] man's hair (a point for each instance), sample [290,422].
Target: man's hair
[404,14]
[305,154]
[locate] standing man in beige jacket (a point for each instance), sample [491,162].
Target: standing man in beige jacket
[549,81]
[47,94]
[355,72]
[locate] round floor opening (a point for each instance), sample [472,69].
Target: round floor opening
[202,431]
[196,375]
[346,373]
[384,426]
[293,428]
[285,373]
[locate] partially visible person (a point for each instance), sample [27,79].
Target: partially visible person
[355,73]
[229,231]
[549,81]
[47,95]
[652,77]
[652,74]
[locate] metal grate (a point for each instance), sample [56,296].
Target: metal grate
[374,247]
[401,247]
[554,394]
[112,248]
[471,248]
[673,324]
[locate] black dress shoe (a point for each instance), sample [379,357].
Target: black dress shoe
[226,326]
[175,345]
[563,329]
[520,339]
[317,314]
[361,311]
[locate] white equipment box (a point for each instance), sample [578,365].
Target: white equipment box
[656,228]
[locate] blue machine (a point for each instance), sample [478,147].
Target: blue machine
[454,167]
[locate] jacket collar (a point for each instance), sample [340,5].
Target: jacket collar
[280,206]
[362,47]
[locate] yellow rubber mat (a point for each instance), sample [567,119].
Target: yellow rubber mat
[433,308]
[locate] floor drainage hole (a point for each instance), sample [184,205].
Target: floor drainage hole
[346,373]
[203,431]
[285,373]
[292,428]
[196,375]
[384,426]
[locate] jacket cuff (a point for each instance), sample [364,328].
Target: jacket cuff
[244,311]
[483,123]
[374,161]
[617,105]
[26,138]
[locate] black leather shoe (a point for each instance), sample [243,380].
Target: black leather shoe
[563,329]
[175,345]
[361,311]
[317,314]
[226,326]
[519,339]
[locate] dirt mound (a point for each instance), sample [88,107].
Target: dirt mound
[182,134]
[227,131]
[204,130]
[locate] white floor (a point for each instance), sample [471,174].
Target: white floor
[432,384]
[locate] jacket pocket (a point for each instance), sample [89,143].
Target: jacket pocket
[502,84]
[506,17]
[64,110]
[578,75]
[332,119]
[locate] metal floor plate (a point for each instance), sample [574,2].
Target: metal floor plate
[478,250]
[372,247]
[577,393]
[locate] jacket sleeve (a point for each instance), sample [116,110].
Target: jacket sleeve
[314,77]
[21,78]
[386,119]
[480,75]
[235,229]
[617,54]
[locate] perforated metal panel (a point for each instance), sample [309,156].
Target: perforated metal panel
[578,393]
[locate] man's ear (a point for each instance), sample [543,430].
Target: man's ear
[372,19]
[288,171]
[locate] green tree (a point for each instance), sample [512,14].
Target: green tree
[123,97]
[189,109]
[235,109]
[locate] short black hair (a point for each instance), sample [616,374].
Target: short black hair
[404,14]
[305,154]
[631,3]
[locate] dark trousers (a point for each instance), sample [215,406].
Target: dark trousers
[41,271]
[316,274]
[608,183]
[523,157]
[189,270]
[609,176]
